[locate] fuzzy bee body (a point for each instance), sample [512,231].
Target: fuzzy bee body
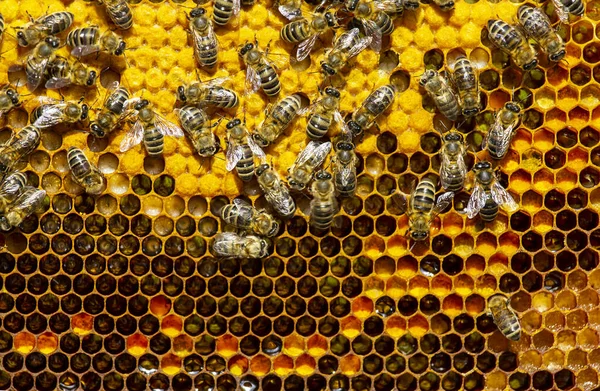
[565,7]
[275,192]
[27,203]
[445,5]
[344,171]
[488,195]
[242,215]
[277,120]
[61,73]
[84,172]
[197,125]
[465,78]
[51,24]
[208,93]
[18,146]
[504,317]
[511,41]
[311,157]
[9,99]
[231,245]
[52,112]
[498,139]
[305,32]
[2,25]
[371,108]
[10,189]
[348,45]
[224,10]
[88,40]
[259,71]
[241,150]
[113,111]
[37,61]
[438,89]
[206,46]
[375,21]
[323,113]
[453,168]
[324,206]
[536,25]
[120,13]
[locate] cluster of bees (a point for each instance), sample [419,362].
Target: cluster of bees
[456,95]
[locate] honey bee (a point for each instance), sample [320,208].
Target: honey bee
[52,112]
[150,127]
[465,79]
[45,26]
[422,208]
[260,73]
[305,32]
[498,139]
[411,4]
[504,317]
[18,146]
[62,73]
[241,150]
[88,40]
[344,168]
[512,41]
[324,206]
[376,103]
[30,200]
[38,60]
[232,245]
[488,195]
[346,46]
[290,9]
[439,90]
[206,46]
[323,113]
[244,216]
[208,93]
[453,168]
[536,25]
[224,10]
[275,191]
[2,26]
[311,157]
[393,8]
[375,22]
[113,112]
[445,5]
[10,188]
[565,7]
[277,120]
[197,125]
[9,99]
[119,12]
[84,172]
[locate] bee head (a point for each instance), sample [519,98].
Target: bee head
[482,166]
[557,56]
[261,169]
[84,112]
[181,93]
[323,175]
[327,69]
[53,42]
[247,47]
[97,131]
[354,128]
[351,5]
[296,185]
[233,123]
[208,151]
[344,146]
[453,137]
[514,107]
[21,38]
[419,235]
[259,140]
[13,95]
[196,12]
[91,79]
[426,77]
[332,92]
[330,19]
[530,65]
[448,6]
[141,104]
[121,48]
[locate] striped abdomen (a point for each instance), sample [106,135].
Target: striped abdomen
[384,22]
[490,210]
[318,125]
[120,13]
[239,216]
[222,11]
[115,103]
[296,31]
[534,21]
[497,143]
[1,25]
[37,112]
[221,97]
[574,7]
[20,145]
[380,99]
[269,80]
[423,197]
[464,75]
[86,36]
[207,50]
[245,166]
[154,141]
[57,22]
[78,163]
[445,5]
[59,68]
[504,35]
[322,213]
[504,317]
[286,110]
[454,180]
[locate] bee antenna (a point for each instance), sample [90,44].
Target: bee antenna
[413,244]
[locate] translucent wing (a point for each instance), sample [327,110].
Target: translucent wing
[35,76]
[337,116]
[241,202]
[46,100]
[347,172]
[390,7]
[289,11]
[133,137]
[505,136]
[362,44]
[236,7]
[84,50]
[503,198]
[442,202]
[281,200]
[167,127]
[12,184]
[561,12]
[51,115]
[34,200]
[345,40]
[233,155]
[223,243]
[130,103]
[200,43]
[56,83]
[476,202]
[256,150]
[399,199]
[314,150]
[216,82]
[305,47]
[252,80]
[371,30]
[216,96]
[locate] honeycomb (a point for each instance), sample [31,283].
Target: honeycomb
[120,291]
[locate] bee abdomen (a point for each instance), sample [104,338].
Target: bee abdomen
[78,162]
[153,140]
[83,36]
[489,211]
[574,7]
[322,215]
[424,196]
[1,25]
[384,22]
[269,80]
[295,31]
[207,52]
[380,99]
[116,101]
[121,15]
[504,35]
[245,166]
[222,97]
[286,110]
[236,215]
[464,75]
[317,126]
[192,119]
[345,188]
[222,11]
[454,182]
[57,21]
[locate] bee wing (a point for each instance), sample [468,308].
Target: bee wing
[387,6]
[56,83]
[400,201]
[503,198]
[560,11]
[505,138]
[84,50]
[289,11]
[167,127]
[337,116]
[130,103]
[363,43]
[46,100]
[222,243]
[216,82]
[316,150]
[442,202]
[234,154]
[237,5]
[347,172]
[305,47]
[476,202]
[34,200]
[252,80]
[51,116]
[371,30]
[256,150]
[241,202]
[35,78]
[133,137]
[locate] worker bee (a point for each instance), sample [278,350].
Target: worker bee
[311,157]
[453,168]
[30,200]
[290,9]
[52,112]
[277,120]
[38,60]
[84,172]
[411,4]
[88,40]
[305,32]
[536,25]
[119,12]
[113,112]
[244,216]
[344,168]
[208,93]
[323,113]
[2,25]
[376,103]
[206,46]
[512,41]
[232,245]
[260,73]
[150,127]
[375,22]
[439,90]
[488,195]
[465,79]
[197,125]
[324,206]
[18,146]
[445,5]
[346,46]
[62,73]
[504,317]
[9,99]
[275,191]
[224,10]
[499,136]
[43,27]
[241,150]
[10,188]
[565,7]
[422,208]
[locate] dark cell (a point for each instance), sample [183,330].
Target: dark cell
[293,383]
[328,326]
[554,281]
[486,361]
[339,307]
[507,361]
[555,158]
[23,381]
[452,264]
[372,364]
[385,306]
[373,326]
[407,305]
[588,259]
[406,382]
[36,323]
[520,221]
[148,324]
[407,344]
[509,283]
[463,362]
[542,380]
[59,362]
[520,262]
[554,200]
[485,324]
[395,364]
[430,343]
[474,342]
[418,363]
[564,379]
[532,241]
[351,286]
[430,266]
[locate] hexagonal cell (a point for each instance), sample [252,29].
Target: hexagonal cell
[545,98]
[582,32]
[591,52]
[533,119]
[511,78]
[581,75]
[590,96]
[535,78]
[557,76]
[498,98]
[589,178]
[568,97]
[489,80]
